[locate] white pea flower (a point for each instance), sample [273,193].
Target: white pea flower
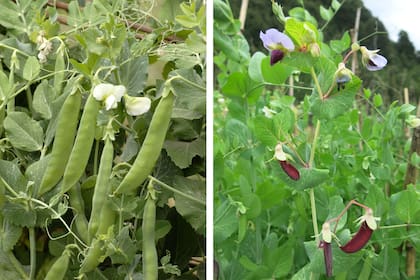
[109,93]
[136,106]
[279,154]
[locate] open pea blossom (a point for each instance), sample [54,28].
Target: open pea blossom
[372,60]
[111,95]
[277,43]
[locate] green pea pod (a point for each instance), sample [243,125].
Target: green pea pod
[150,258]
[82,146]
[107,217]
[93,257]
[151,148]
[102,187]
[63,142]
[59,268]
[77,204]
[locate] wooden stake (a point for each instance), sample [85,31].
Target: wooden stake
[242,13]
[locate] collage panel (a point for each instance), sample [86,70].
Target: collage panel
[316,140]
[103,139]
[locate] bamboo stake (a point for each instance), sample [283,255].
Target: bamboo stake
[242,13]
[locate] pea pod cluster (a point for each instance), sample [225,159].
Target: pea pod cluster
[82,146]
[151,148]
[63,142]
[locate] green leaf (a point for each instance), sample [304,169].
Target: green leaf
[134,75]
[387,263]
[254,68]
[190,91]
[9,236]
[335,5]
[239,85]
[338,103]
[253,204]
[5,87]
[406,205]
[326,14]
[42,101]
[193,212]
[339,46]
[11,174]
[36,171]
[285,120]
[265,131]
[31,69]
[377,100]
[275,260]
[275,74]
[300,61]
[162,228]
[19,214]
[182,153]
[8,18]
[302,15]
[225,221]
[23,132]
[125,247]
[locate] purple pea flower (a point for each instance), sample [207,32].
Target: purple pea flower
[372,60]
[277,43]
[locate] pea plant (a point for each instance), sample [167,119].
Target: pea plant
[102,167]
[313,172]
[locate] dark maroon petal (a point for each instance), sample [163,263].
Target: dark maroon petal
[359,240]
[276,55]
[327,257]
[290,170]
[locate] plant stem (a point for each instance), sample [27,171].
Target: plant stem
[311,191]
[314,217]
[314,142]
[187,196]
[32,248]
[318,87]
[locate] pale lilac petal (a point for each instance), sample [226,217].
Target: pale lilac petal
[376,62]
[273,39]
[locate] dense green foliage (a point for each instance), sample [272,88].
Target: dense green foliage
[346,142]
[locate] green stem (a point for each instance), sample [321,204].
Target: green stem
[17,265]
[43,204]
[29,99]
[318,87]
[314,143]
[399,226]
[32,248]
[187,196]
[311,191]
[314,217]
